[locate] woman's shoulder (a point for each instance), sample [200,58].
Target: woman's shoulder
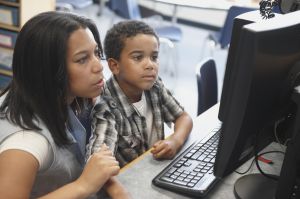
[8,128]
[31,142]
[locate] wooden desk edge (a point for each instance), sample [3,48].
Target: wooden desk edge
[130,164]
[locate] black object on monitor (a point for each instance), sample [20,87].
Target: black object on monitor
[261,72]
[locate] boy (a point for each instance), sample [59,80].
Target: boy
[129,118]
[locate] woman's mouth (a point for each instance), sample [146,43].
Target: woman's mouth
[100,83]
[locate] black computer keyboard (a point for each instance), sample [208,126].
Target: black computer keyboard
[191,173]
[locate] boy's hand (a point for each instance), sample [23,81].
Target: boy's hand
[166,149]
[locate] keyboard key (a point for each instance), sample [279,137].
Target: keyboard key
[172,170]
[180,182]
[167,179]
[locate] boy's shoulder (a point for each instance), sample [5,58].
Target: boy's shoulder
[158,85]
[160,88]
[107,107]
[105,103]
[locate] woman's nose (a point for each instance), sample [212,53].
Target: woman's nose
[97,66]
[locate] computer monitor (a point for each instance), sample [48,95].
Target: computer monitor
[287,6]
[260,76]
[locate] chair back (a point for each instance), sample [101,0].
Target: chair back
[226,30]
[77,4]
[207,84]
[128,9]
[168,63]
[170,32]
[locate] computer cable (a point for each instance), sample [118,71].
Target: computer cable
[260,158]
[276,124]
[260,169]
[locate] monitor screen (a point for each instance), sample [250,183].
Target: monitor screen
[257,86]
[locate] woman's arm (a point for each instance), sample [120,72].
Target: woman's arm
[18,170]
[100,167]
[116,190]
[17,173]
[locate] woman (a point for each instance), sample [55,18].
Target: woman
[57,71]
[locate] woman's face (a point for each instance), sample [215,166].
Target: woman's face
[84,66]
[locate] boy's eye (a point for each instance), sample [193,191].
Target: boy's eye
[155,57]
[137,57]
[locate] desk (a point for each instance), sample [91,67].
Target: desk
[137,176]
[207,4]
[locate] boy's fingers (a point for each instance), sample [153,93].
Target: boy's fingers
[157,143]
[158,148]
[160,154]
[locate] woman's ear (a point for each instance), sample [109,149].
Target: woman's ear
[113,66]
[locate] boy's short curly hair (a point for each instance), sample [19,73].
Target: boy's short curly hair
[115,37]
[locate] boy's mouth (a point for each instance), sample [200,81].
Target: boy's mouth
[149,77]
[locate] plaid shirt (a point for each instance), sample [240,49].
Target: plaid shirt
[117,123]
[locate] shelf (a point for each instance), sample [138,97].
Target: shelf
[10,27]
[7,3]
[6,72]
[25,9]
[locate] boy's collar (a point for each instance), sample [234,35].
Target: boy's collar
[121,97]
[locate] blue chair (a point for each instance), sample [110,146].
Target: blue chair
[223,37]
[77,4]
[4,81]
[276,9]
[207,84]
[129,9]
[168,63]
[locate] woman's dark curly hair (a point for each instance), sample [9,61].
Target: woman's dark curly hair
[116,36]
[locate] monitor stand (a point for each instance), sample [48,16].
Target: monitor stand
[255,186]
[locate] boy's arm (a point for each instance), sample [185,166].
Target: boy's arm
[169,147]
[116,190]
[103,130]
[182,128]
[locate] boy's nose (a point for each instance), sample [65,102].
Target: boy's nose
[150,64]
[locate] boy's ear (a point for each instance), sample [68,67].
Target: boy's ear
[113,65]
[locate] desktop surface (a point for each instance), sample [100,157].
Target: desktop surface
[137,176]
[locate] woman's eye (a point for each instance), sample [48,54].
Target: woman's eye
[97,53]
[82,60]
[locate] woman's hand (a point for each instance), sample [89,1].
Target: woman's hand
[100,167]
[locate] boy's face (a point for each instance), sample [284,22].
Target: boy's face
[137,68]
